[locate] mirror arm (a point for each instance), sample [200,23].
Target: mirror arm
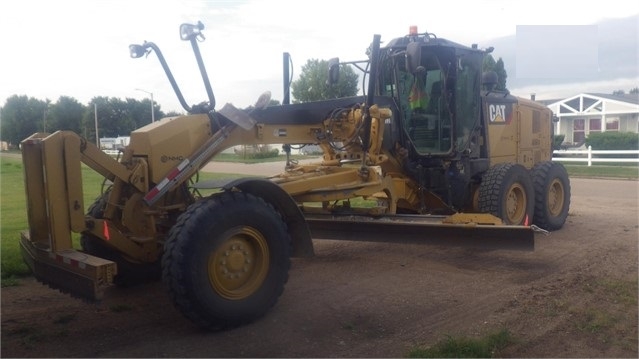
[205,77]
[169,75]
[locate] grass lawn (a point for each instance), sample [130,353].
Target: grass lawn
[13,218]
[628,171]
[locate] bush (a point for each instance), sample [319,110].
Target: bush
[257,152]
[613,141]
[264,154]
[557,140]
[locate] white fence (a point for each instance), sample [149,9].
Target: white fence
[113,153]
[587,156]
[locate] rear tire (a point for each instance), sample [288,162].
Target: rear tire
[226,260]
[506,191]
[552,195]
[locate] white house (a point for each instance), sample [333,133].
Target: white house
[114,143]
[107,143]
[586,113]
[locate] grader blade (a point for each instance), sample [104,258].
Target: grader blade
[72,272]
[420,229]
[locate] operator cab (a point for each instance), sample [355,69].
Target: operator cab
[437,85]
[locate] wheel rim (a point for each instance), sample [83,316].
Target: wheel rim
[516,204]
[239,266]
[475,197]
[555,198]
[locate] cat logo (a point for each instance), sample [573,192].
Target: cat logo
[500,113]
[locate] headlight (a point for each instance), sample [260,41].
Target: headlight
[136,51]
[188,31]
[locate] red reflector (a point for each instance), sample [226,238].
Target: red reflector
[107,236]
[173,174]
[149,196]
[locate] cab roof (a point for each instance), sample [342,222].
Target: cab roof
[428,39]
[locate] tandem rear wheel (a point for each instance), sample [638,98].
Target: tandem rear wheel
[506,191]
[518,196]
[552,195]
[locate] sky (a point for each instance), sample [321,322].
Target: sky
[80,48]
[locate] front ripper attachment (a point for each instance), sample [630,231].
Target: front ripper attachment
[53,186]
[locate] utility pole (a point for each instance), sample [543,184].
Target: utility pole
[97,137]
[44,117]
[152,108]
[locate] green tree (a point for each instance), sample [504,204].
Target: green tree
[22,116]
[501,75]
[65,114]
[114,118]
[633,91]
[312,84]
[498,66]
[273,103]
[489,63]
[140,111]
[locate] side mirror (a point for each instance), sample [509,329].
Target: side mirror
[333,71]
[414,58]
[136,51]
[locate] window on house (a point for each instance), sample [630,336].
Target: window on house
[594,125]
[612,124]
[578,130]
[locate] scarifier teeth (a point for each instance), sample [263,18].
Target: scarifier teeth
[78,274]
[80,288]
[73,293]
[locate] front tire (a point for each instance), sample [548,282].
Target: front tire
[226,260]
[506,191]
[552,195]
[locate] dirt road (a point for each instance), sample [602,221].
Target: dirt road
[574,296]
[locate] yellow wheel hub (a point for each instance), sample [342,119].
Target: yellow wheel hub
[239,265]
[516,204]
[555,198]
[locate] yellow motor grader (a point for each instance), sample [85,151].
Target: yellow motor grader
[432,153]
